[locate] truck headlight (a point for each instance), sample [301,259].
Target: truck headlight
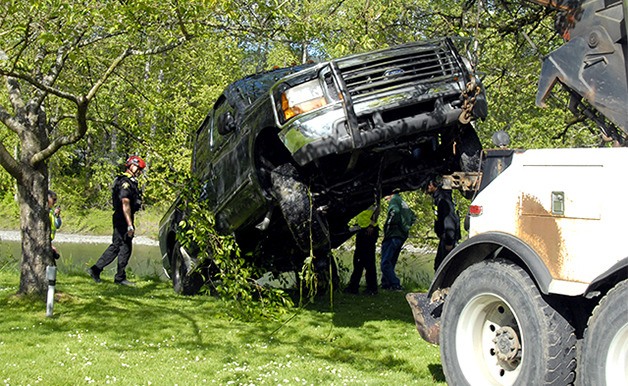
[300,99]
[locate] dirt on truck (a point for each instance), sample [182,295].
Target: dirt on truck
[538,293]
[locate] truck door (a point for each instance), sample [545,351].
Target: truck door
[236,194]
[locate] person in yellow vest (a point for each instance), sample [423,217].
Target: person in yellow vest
[55,220]
[364,254]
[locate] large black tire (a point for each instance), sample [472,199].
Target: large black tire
[293,198]
[604,358]
[498,330]
[185,279]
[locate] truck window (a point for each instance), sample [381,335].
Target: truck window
[203,148]
[224,121]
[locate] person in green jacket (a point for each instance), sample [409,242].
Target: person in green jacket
[398,222]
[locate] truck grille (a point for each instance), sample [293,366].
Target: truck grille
[412,64]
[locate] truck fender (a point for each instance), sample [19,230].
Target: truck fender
[491,245]
[618,272]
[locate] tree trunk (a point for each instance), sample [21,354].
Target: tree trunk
[35,231]
[33,202]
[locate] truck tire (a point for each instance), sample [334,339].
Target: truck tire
[498,330]
[605,347]
[306,225]
[185,280]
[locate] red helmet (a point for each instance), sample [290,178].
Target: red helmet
[135,160]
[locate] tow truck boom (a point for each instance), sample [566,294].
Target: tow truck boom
[591,64]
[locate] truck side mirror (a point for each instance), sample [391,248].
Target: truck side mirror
[226,123]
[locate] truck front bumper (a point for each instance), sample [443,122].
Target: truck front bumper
[426,315]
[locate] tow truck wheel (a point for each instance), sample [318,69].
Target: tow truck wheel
[498,330]
[185,280]
[605,347]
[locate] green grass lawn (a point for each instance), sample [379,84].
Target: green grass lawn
[106,334]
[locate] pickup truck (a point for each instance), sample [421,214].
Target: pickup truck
[289,156]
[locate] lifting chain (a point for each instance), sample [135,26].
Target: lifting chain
[468,96]
[472,88]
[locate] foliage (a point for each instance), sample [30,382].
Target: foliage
[154,103]
[235,276]
[107,334]
[10,213]
[56,58]
[253,36]
[151,104]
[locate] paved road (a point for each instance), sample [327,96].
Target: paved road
[74,238]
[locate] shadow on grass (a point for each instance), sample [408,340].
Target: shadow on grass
[363,332]
[354,310]
[149,312]
[437,372]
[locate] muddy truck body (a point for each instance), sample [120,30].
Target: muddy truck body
[538,293]
[288,157]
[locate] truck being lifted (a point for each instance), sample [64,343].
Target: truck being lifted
[538,293]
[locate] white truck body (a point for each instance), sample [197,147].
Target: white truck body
[564,204]
[545,267]
[538,293]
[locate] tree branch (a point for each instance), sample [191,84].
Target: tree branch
[9,163]
[81,118]
[26,40]
[52,75]
[116,62]
[180,22]
[122,129]
[161,49]
[15,94]
[83,102]
[9,121]
[54,121]
[40,85]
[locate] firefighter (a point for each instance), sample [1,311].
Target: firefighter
[127,199]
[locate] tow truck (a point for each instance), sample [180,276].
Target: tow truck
[538,293]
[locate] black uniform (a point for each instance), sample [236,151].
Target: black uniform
[124,186]
[364,260]
[446,225]
[364,255]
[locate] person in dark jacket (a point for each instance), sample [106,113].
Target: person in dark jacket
[364,254]
[399,219]
[447,222]
[127,199]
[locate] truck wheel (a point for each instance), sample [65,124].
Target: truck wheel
[498,330]
[604,356]
[294,201]
[185,280]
